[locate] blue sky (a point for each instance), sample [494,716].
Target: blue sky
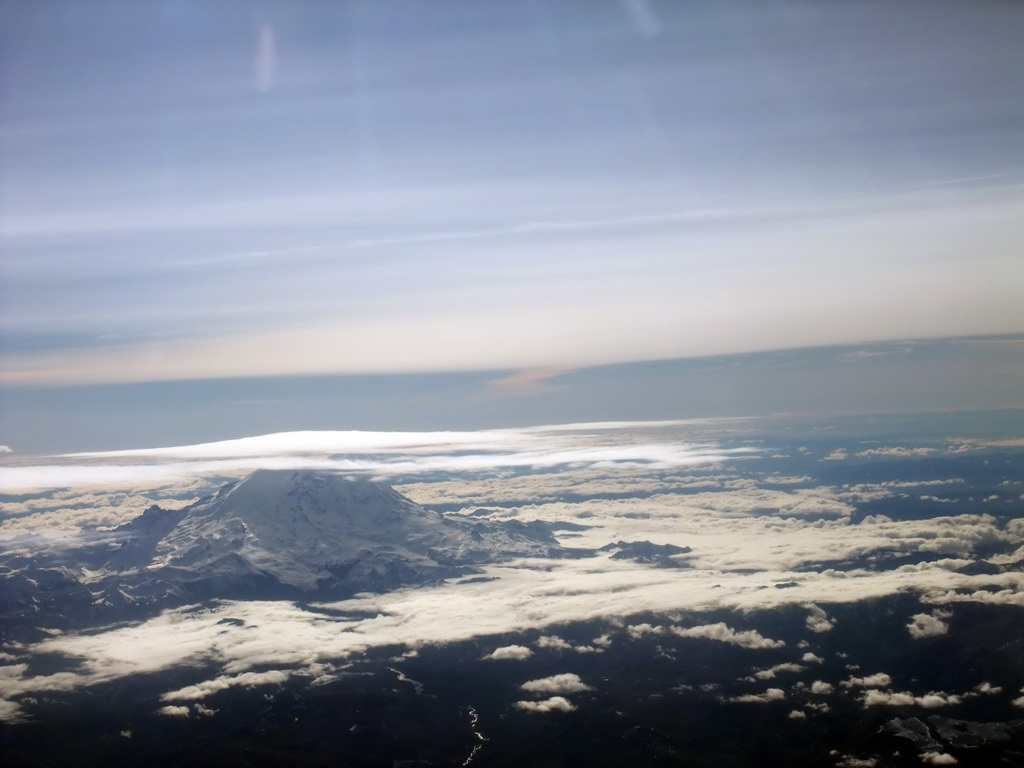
[193,190]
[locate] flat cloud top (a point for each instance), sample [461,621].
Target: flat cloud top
[361,441]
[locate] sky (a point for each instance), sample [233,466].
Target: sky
[241,191]
[220,220]
[195,191]
[980,377]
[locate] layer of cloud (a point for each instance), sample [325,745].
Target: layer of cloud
[897,451]
[519,595]
[747,540]
[553,323]
[375,453]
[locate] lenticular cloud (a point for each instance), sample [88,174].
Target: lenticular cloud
[383,454]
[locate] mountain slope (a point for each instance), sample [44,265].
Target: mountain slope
[308,529]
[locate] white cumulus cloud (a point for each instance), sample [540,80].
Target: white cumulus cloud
[938,758]
[818,621]
[878,679]
[209,687]
[564,683]
[723,633]
[772,694]
[554,704]
[926,625]
[172,710]
[509,652]
[933,700]
[553,642]
[771,672]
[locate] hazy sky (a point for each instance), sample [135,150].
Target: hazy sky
[195,189]
[962,375]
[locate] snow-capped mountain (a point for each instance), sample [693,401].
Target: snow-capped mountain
[317,529]
[276,533]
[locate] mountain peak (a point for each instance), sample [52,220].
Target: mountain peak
[279,534]
[303,527]
[273,495]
